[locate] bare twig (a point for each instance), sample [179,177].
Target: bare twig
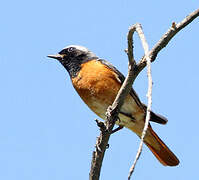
[146,60]
[149,96]
[164,40]
[133,71]
[112,113]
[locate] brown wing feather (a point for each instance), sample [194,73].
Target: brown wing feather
[154,117]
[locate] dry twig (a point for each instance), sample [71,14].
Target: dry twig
[149,96]
[165,39]
[133,71]
[112,114]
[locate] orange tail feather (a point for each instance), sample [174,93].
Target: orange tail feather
[163,153]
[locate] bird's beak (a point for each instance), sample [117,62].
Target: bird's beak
[56,56]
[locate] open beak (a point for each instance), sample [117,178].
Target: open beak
[56,56]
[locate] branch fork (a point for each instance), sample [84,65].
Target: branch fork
[133,70]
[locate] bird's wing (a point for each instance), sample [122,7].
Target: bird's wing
[154,117]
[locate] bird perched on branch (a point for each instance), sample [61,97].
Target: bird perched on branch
[97,82]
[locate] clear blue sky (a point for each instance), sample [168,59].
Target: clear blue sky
[47,132]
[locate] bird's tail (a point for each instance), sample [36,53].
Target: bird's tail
[159,149]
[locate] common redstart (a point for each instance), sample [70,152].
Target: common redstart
[97,82]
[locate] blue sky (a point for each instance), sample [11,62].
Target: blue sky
[47,132]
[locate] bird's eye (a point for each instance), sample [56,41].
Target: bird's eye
[71,49]
[68,50]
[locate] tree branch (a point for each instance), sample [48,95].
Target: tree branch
[149,96]
[146,60]
[133,71]
[112,112]
[164,40]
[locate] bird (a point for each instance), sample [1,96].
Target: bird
[97,82]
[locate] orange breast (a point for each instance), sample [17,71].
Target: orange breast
[98,86]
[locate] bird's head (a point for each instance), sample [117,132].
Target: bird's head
[71,57]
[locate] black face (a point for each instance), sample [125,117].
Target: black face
[72,54]
[72,58]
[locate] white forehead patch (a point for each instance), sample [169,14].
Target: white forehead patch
[81,48]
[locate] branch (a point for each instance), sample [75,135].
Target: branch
[149,96]
[150,57]
[164,40]
[133,71]
[112,113]
[146,60]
